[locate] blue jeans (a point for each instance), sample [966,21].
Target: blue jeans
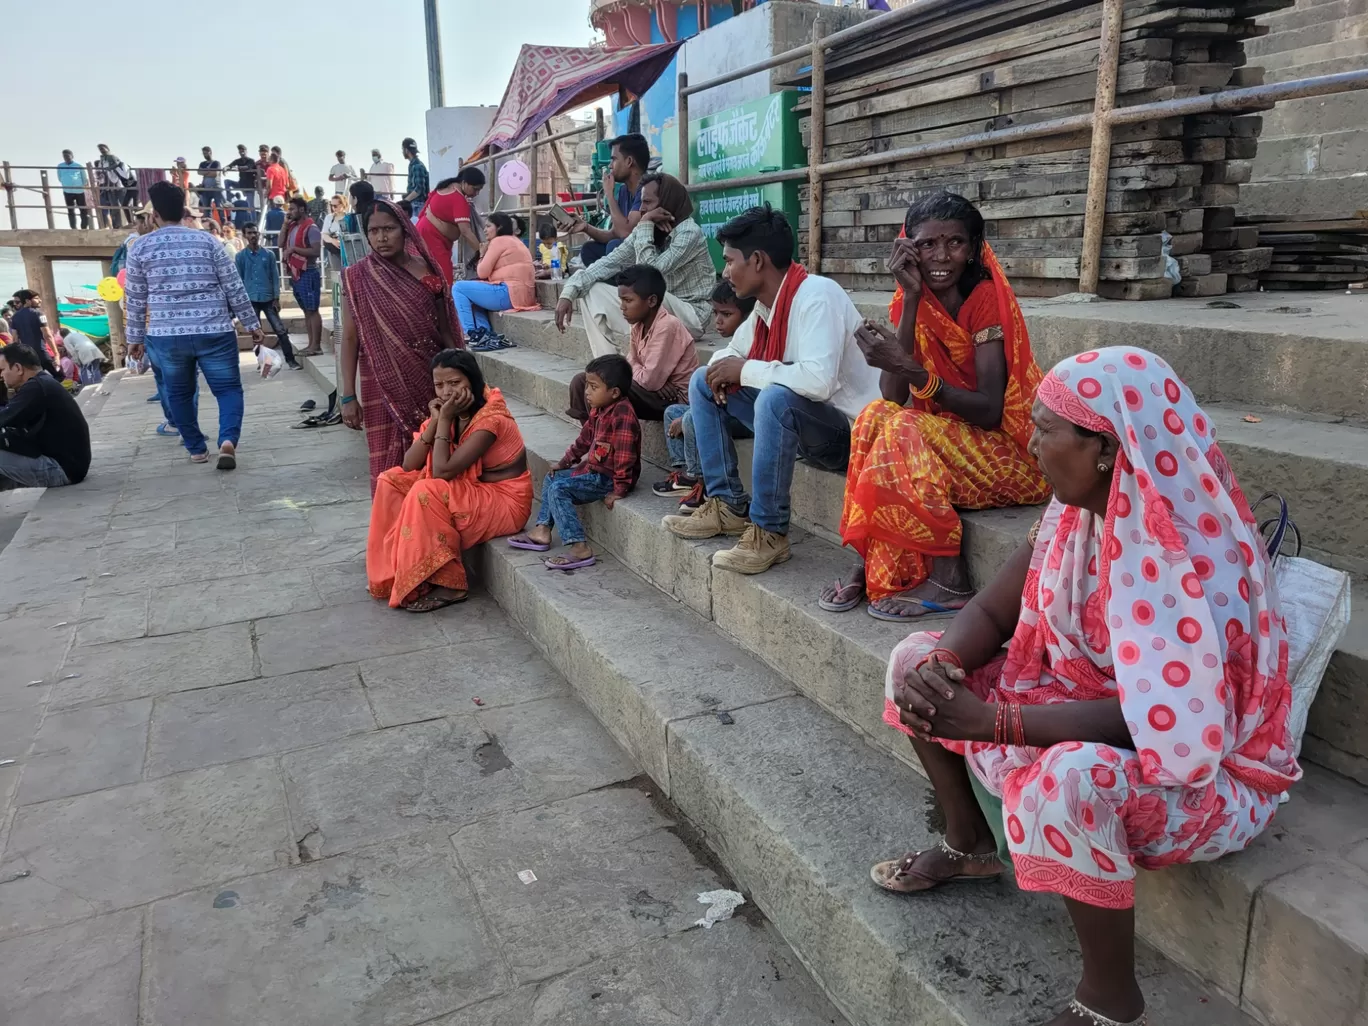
[562,491]
[786,425]
[592,252]
[684,451]
[30,471]
[180,356]
[474,298]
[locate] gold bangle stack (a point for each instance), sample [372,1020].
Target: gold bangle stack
[928,391]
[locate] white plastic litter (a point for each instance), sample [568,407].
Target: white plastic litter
[269,361]
[721,905]
[527,876]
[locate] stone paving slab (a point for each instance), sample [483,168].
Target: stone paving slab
[388,936]
[193,605]
[340,634]
[87,749]
[85,974]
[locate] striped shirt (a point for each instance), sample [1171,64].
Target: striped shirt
[685,263]
[181,281]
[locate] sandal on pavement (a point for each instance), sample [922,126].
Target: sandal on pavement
[887,874]
[226,461]
[432,603]
[842,598]
[1085,1013]
[167,431]
[522,541]
[568,562]
[914,607]
[199,457]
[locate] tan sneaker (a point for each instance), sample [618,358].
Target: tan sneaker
[756,552]
[709,520]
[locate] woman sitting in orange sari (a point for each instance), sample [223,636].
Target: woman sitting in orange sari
[953,425]
[463,482]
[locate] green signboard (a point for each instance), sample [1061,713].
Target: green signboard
[746,140]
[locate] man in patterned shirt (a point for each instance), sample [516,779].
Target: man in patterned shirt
[183,292]
[417,192]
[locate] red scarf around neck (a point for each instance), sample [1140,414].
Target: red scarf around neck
[771,340]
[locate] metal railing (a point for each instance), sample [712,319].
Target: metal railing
[1101,120]
[533,208]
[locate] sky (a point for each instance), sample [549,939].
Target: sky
[348,74]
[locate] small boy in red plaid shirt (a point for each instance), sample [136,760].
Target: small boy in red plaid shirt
[604,462]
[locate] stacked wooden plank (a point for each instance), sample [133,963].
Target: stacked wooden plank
[970,66]
[1313,254]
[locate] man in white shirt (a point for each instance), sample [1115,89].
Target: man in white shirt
[342,174]
[381,176]
[792,373]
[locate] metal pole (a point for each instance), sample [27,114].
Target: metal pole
[47,198]
[682,113]
[1099,163]
[816,149]
[532,200]
[436,89]
[9,196]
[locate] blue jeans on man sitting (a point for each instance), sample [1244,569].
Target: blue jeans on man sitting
[786,426]
[475,300]
[562,491]
[18,471]
[216,356]
[592,252]
[684,449]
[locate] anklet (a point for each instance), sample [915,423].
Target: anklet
[1097,1019]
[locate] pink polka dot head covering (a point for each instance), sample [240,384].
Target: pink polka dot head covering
[1172,594]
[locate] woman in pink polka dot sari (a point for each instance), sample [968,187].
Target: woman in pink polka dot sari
[1139,715]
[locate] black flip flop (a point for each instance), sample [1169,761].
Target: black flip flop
[307,405]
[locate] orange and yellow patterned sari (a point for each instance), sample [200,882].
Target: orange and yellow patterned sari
[911,466]
[420,524]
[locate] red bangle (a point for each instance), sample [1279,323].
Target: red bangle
[944,655]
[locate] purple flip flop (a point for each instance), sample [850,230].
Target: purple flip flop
[521,541]
[575,565]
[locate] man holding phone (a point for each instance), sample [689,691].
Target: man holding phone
[622,195]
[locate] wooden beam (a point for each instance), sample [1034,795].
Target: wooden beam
[1089,271]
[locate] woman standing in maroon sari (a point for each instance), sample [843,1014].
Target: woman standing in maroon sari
[398,314]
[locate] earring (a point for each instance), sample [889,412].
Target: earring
[1102,468]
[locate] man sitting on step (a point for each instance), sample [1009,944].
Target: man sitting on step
[792,373]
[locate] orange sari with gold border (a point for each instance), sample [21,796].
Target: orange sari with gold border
[420,524]
[912,466]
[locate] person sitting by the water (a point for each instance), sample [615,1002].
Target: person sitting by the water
[603,462]
[447,217]
[793,374]
[549,247]
[628,164]
[464,480]
[44,438]
[686,474]
[662,353]
[668,239]
[506,280]
[952,427]
[1139,717]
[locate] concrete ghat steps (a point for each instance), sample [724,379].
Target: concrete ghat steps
[1308,460]
[797,808]
[1221,919]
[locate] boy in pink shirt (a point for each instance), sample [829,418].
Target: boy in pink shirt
[661,352]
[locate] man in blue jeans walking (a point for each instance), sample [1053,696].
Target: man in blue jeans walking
[792,374]
[183,292]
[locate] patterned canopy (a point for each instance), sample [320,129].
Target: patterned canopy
[548,80]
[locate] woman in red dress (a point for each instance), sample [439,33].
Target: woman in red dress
[447,218]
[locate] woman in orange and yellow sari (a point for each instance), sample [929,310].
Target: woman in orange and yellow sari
[464,480]
[952,428]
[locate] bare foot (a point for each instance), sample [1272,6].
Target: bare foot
[541,534]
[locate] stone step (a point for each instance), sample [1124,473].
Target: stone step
[1347,48]
[798,808]
[1200,916]
[1304,15]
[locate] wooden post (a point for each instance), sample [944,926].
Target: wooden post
[47,198]
[493,184]
[1095,211]
[9,196]
[532,197]
[682,114]
[816,149]
[600,129]
[117,341]
[38,275]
